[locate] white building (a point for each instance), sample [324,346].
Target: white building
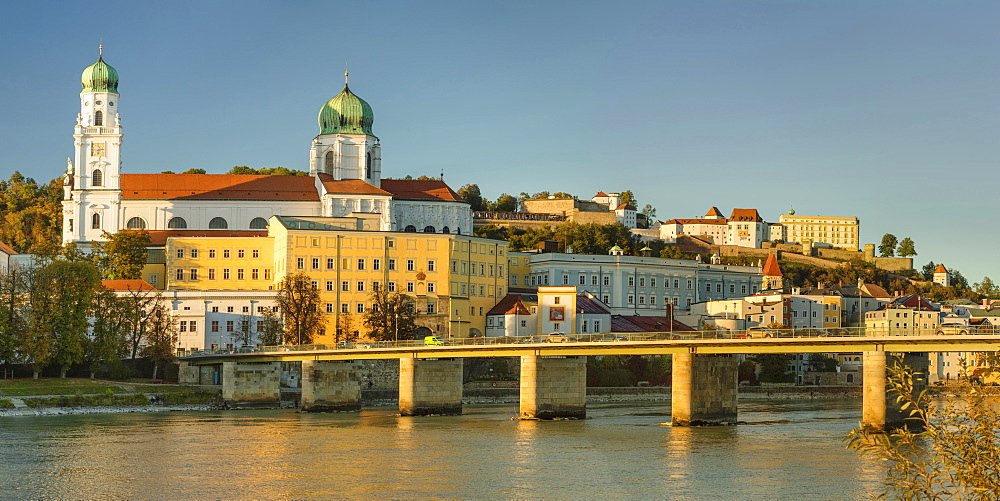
[743,227]
[345,179]
[840,232]
[632,285]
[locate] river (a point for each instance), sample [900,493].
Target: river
[787,450]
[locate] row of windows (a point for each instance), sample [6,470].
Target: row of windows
[177,223]
[226,254]
[345,286]
[361,264]
[430,309]
[482,269]
[193,274]
[430,229]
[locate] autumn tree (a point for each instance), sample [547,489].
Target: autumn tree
[391,316]
[161,337]
[347,331]
[122,255]
[298,300]
[888,246]
[244,330]
[266,171]
[906,248]
[30,214]
[271,331]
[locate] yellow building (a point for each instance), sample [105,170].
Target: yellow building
[840,232]
[832,308]
[454,279]
[519,267]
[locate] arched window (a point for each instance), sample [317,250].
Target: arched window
[429,229]
[410,228]
[850,378]
[258,223]
[99,118]
[95,221]
[97,177]
[177,223]
[445,230]
[329,162]
[136,223]
[368,165]
[218,223]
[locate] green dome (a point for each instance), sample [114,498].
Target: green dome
[346,114]
[99,77]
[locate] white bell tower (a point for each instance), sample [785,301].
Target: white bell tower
[346,148]
[92,185]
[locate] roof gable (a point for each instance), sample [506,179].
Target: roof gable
[350,186]
[6,249]
[771,267]
[420,189]
[745,215]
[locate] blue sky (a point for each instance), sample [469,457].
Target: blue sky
[887,111]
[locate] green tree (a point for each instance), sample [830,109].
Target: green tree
[122,255]
[244,330]
[471,194]
[392,314]
[109,331]
[266,171]
[949,451]
[928,270]
[194,171]
[628,198]
[906,248]
[30,214]
[504,203]
[774,367]
[822,363]
[987,288]
[13,302]
[72,287]
[888,246]
[348,330]
[299,303]
[161,334]
[647,215]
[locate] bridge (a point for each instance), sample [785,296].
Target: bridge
[553,374]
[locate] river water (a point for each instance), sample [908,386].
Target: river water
[787,450]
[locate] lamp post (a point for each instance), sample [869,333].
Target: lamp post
[397,327]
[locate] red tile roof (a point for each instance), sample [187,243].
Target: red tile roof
[771,267]
[600,194]
[714,211]
[159,237]
[696,221]
[745,215]
[419,189]
[350,186]
[6,249]
[625,207]
[127,285]
[940,269]
[217,187]
[510,304]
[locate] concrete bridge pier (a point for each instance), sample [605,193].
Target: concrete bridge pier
[881,411]
[704,390]
[188,374]
[331,386]
[430,386]
[553,387]
[251,385]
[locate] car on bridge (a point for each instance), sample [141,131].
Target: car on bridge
[559,337]
[956,329]
[434,341]
[811,332]
[761,332]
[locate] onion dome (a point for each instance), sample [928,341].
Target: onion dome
[99,77]
[346,114]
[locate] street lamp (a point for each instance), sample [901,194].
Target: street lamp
[397,327]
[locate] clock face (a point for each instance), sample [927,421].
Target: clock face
[97,150]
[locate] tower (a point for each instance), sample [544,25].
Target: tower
[773,277]
[346,148]
[941,276]
[92,184]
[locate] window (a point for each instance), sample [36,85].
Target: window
[177,223]
[344,308]
[218,223]
[239,274]
[557,300]
[254,274]
[732,288]
[708,287]
[315,263]
[392,286]
[95,221]
[409,286]
[329,285]
[180,253]
[225,273]
[410,229]
[211,253]
[375,286]
[690,284]
[225,254]
[565,279]
[583,280]
[194,274]
[376,264]
[329,263]
[409,265]
[183,326]
[430,265]
[193,325]
[241,253]
[642,299]
[368,165]
[215,309]
[300,263]
[718,287]
[258,223]
[328,162]
[229,326]
[631,300]
[593,280]
[606,299]
[194,253]
[677,284]
[99,118]
[642,281]
[597,326]
[215,326]
[445,230]
[329,307]
[211,273]
[267,273]
[429,229]
[631,281]
[97,177]
[361,286]
[345,286]
[607,280]
[392,265]
[430,308]
[136,223]
[180,274]
[430,286]
[361,308]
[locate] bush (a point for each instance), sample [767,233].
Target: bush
[119,371]
[6,403]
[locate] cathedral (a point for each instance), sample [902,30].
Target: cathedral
[345,180]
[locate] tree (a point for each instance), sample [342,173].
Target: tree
[162,337]
[928,270]
[244,330]
[471,194]
[109,332]
[888,246]
[948,451]
[13,301]
[270,331]
[347,330]
[987,288]
[136,305]
[822,363]
[774,367]
[30,213]
[66,291]
[194,171]
[906,248]
[299,303]
[391,316]
[122,255]
[647,215]
[628,198]
[266,171]
[504,203]
[520,201]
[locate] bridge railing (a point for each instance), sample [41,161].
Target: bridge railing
[615,337]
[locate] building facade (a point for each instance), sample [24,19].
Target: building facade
[839,232]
